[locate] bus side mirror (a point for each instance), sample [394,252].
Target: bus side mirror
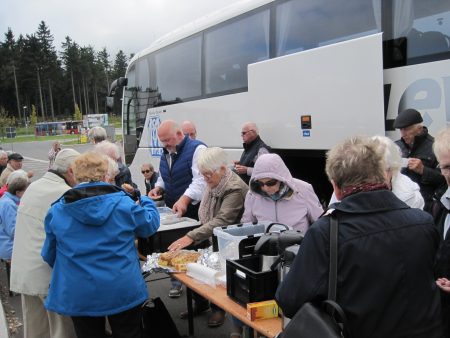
[118,83]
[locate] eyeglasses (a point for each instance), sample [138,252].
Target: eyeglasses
[444,168]
[269,183]
[146,171]
[245,132]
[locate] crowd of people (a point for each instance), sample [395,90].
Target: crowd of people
[73,238]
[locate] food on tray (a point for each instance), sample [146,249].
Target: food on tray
[178,259]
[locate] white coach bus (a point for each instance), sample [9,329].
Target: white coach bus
[308,72]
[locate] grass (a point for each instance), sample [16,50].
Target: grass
[32,138]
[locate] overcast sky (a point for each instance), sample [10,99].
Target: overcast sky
[130,25]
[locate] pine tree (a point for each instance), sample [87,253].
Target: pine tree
[77,115]
[33,116]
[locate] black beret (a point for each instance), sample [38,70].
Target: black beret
[407,118]
[15,156]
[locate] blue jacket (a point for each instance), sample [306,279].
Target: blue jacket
[90,234]
[8,214]
[178,178]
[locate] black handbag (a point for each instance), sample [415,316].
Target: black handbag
[326,319]
[156,320]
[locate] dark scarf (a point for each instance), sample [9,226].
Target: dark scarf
[353,189]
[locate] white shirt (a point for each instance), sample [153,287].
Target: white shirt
[445,200]
[197,186]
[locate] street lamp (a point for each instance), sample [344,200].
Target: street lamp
[25,116]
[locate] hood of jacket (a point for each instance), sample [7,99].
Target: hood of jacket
[91,203]
[270,166]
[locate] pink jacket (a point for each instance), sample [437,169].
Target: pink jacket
[297,210]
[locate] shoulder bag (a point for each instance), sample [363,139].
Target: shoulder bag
[326,319]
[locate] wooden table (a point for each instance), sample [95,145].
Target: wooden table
[268,327]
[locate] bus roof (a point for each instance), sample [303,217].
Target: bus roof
[200,24]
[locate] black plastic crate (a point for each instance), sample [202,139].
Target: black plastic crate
[246,283]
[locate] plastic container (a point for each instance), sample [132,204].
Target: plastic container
[229,239]
[247,282]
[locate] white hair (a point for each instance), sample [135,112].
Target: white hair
[98,134]
[109,149]
[391,153]
[441,145]
[17,181]
[211,159]
[64,159]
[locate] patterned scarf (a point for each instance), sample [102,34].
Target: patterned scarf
[353,189]
[210,198]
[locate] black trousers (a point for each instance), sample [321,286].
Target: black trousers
[126,324]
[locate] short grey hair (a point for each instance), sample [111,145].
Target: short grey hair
[64,159]
[211,159]
[391,151]
[17,181]
[109,149]
[355,161]
[113,168]
[98,134]
[441,145]
[3,153]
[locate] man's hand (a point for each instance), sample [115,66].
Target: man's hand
[181,205]
[443,284]
[30,174]
[155,194]
[180,243]
[240,169]
[416,165]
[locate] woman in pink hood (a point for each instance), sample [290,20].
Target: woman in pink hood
[276,196]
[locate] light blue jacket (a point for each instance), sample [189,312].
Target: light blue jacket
[8,214]
[90,233]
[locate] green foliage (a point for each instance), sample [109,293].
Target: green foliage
[33,116]
[5,121]
[77,115]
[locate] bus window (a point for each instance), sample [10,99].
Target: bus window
[302,25]
[231,47]
[424,26]
[177,70]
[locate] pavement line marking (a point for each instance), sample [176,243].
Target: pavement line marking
[35,159]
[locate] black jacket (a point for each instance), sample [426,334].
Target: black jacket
[440,213]
[250,155]
[431,179]
[386,254]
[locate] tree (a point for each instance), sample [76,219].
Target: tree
[120,65]
[5,121]
[33,116]
[77,116]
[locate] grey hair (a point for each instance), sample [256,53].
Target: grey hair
[109,149]
[17,181]
[251,125]
[3,153]
[64,159]
[355,161]
[211,159]
[392,153]
[113,168]
[98,134]
[441,145]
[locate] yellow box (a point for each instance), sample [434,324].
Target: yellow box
[262,310]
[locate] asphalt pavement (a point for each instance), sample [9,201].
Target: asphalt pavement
[35,159]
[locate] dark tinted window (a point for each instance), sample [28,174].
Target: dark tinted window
[231,47]
[306,24]
[176,70]
[417,31]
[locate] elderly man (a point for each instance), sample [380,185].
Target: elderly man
[97,134]
[441,215]
[179,178]
[14,163]
[253,148]
[189,129]
[3,160]
[30,275]
[416,146]
[386,251]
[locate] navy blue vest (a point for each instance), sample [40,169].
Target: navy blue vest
[179,177]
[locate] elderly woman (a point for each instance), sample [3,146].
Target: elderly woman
[401,185]
[276,196]
[222,204]
[17,183]
[385,251]
[89,243]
